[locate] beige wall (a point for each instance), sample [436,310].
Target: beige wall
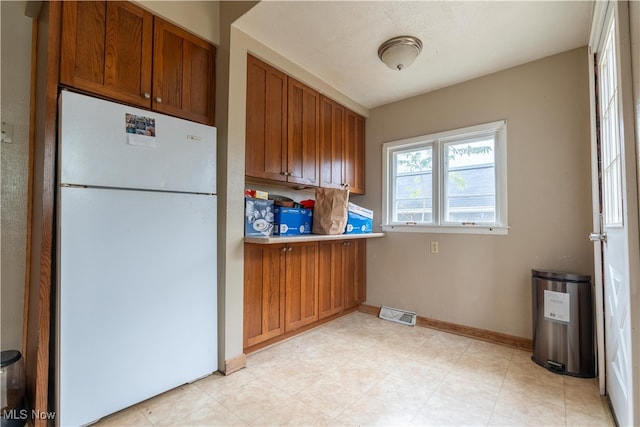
[198,17]
[483,281]
[230,284]
[16,72]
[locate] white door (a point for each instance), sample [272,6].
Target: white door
[615,216]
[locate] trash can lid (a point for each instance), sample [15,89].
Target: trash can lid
[561,276]
[9,357]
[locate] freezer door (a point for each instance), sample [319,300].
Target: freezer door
[106,144]
[136,297]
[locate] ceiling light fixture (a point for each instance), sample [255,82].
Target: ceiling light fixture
[399,52]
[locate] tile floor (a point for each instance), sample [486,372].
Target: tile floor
[360,370]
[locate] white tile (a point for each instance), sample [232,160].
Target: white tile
[361,370]
[375,412]
[445,410]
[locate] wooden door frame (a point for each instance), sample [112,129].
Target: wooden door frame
[37,305]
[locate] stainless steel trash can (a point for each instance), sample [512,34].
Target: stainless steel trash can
[563,331]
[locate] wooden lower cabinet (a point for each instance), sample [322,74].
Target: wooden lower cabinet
[301,285]
[331,278]
[354,259]
[288,286]
[341,275]
[264,273]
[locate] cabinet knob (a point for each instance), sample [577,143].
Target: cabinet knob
[283,173]
[284,249]
[158,99]
[147,95]
[289,249]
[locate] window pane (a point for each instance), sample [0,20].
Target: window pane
[413,201]
[413,161]
[471,183]
[447,180]
[412,198]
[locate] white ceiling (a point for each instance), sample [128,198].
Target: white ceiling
[338,40]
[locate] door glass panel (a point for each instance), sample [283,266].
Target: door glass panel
[611,152]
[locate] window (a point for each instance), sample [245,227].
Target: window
[453,182]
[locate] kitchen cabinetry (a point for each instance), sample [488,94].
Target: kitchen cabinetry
[120,51]
[264,272]
[183,74]
[288,286]
[341,275]
[301,284]
[354,160]
[355,265]
[295,135]
[266,147]
[331,278]
[280,289]
[106,50]
[302,134]
[332,120]
[341,147]
[282,126]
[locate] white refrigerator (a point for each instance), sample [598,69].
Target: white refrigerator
[136,310]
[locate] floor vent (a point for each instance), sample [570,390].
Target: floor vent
[397,315]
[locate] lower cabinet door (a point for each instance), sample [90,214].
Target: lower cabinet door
[330,278]
[288,286]
[264,292]
[301,285]
[354,259]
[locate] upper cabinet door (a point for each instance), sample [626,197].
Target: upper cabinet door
[106,49]
[332,120]
[354,166]
[183,74]
[302,134]
[266,147]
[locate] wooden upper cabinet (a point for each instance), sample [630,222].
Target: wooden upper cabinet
[354,155]
[118,50]
[106,49]
[298,136]
[332,134]
[302,134]
[266,146]
[341,147]
[183,73]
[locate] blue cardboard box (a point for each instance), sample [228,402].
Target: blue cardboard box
[292,221]
[359,220]
[258,217]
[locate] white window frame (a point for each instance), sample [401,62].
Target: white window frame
[437,141]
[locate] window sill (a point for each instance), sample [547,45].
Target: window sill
[450,229]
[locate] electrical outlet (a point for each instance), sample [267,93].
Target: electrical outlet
[434,247]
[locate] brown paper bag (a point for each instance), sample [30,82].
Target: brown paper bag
[330,211]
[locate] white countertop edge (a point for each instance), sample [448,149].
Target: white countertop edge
[273,240]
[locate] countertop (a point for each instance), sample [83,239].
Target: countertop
[274,240]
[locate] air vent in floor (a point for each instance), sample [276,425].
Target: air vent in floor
[397,315]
